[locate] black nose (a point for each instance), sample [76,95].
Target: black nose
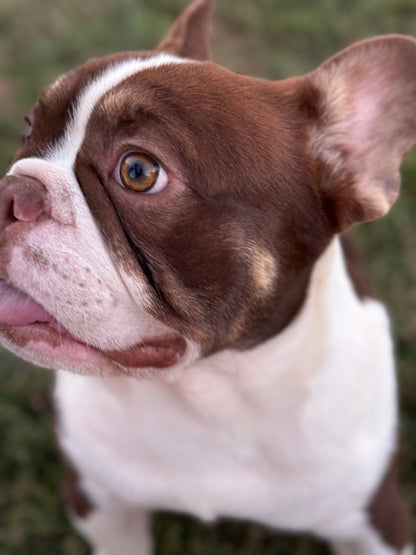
[22,199]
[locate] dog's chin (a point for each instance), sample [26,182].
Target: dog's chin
[32,333]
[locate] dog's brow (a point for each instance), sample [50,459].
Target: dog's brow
[65,152]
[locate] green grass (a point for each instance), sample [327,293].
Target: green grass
[267,38]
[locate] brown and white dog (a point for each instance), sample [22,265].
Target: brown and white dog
[170,220]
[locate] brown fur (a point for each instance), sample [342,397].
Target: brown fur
[75,498]
[353,262]
[189,36]
[389,514]
[143,113]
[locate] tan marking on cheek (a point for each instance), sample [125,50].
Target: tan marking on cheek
[264,268]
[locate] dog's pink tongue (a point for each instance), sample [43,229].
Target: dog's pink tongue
[17,309]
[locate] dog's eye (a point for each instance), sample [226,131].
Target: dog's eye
[139,172]
[27,129]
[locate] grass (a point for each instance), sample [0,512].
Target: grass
[274,38]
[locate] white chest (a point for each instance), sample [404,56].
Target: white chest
[287,434]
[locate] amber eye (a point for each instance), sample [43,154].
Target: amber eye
[139,172]
[27,130]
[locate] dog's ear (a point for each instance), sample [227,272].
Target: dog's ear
[189,36]
[362,109]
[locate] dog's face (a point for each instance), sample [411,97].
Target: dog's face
[162,208]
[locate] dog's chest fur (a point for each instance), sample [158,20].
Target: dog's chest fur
[273,434]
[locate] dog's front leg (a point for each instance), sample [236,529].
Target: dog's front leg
[116,531]
[110,528]
[388,527]
[368,544]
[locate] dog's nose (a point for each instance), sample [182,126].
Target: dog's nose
[22,199]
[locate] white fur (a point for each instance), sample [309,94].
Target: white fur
[295,433]
[72,244]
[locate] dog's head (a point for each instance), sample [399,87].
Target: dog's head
[162,208]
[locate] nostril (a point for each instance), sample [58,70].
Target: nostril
[8,210]
[28,201]
[23,199]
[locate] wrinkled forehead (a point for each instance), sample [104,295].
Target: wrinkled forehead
[65,107]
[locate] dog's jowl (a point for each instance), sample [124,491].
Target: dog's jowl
[171,244]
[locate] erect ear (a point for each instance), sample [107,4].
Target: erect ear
[190,34]
[362,103]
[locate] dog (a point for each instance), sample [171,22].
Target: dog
[172,244]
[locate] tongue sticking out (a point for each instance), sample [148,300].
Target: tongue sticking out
[17,309]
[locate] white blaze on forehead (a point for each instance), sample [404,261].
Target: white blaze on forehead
[65,152]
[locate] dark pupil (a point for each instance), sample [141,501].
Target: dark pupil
[136,170]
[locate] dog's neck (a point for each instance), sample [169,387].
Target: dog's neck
[318,330]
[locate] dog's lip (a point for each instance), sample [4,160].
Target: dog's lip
[22,312]
[157,352]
